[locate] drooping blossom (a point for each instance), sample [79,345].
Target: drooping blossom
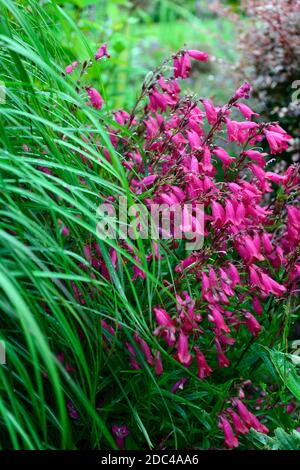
[183,354]
[102,52]
[230,439]
[71,67]
[179,385]
[120,432]
[198,55]
[95,98]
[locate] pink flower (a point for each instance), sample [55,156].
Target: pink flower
[234,275]
[240,131]
[158,363]
[145,348]
[252,324]
[182,66]
[271,286]
[210,111]
[70,68]
[218,214]
[230,213]
[256,156]
[160,100]
[119,433]
[290,408]
[267,245]
[198,55]
[223,156]
[243,91]
[277,138]
[95,98]
[101,52]
[152,127]
[216,317]
[163,318]
[250,420]
[206,161]
[122,117]
[166,326]
[179,385]
[238,425]
[230,439]
[246,111]
[186,263]
[63,229]
[247,250]
[132,356]
[223,361]
[183,354]
[194,140]
[203,369]
[257,306]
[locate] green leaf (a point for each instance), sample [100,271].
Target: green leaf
[287,371]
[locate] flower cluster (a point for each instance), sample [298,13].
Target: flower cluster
[190,151]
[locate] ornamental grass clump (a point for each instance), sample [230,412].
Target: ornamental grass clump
[129,341]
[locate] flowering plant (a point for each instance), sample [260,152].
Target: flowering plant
[137,342]
[185,150]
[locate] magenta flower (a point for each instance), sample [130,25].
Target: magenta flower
[73,413]
[238,424]
[256,156]
[144,348]
[179,385]
[290,408]
[234,275]
[246,111]
[223,156]
[230,439]
[182,66]
[198,55]
[194,140]
[102,52]
[257,305]
[249,418]
[216,317]
[119,433]
[211,112]
[71,67]
[132,356]
[243,91]
[158,363]
[223,361]
[183,354]
[95,98]
[277,138]
[252,324]
[218,214]
[203,369]
[166,326]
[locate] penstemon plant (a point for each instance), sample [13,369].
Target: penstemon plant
[182,151]
[113,336]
